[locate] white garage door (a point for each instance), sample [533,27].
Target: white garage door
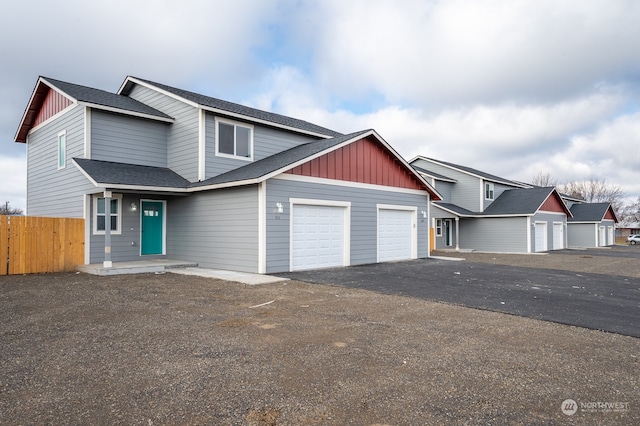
[558,236]
[603,236]
[541,236]
[611,241]
[395,235]
[317,237]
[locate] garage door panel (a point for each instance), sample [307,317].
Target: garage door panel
[318,238]
[395,235]
[541,236]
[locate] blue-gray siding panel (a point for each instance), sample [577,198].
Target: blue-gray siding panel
[266,142]
[216,229]
[53,192]
[466,192]
[506,235]
[363,218]
[182,135]
[124,139]
[122,249]
[550,218]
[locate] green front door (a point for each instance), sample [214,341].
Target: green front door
[152,227]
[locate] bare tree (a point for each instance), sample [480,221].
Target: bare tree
[6,210]
[544,179]
[631,213]
[595,191]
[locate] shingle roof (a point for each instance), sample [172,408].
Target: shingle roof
[102,97]
[476,172]
[278,161]
[246,111]
[433,174]
[110,173]
[589,212]
[519,201]
[460,211]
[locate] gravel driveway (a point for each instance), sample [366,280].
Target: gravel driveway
[173,349]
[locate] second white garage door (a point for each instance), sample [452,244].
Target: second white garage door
[396,235]
[317,237]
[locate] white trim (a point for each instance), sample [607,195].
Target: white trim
[201,145]
[529,227]
[164,225]
[546,212]
[86,215]
[501,181]
[235,124]
[346,251]
[126,112]
[414,227]
[87,132]
[63,159]
[94,216]
[350,184]
[53,117]
[262,228]
[222,111]
[481,195]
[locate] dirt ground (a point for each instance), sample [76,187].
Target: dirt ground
[172,349]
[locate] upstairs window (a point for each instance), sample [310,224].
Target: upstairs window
[488,191]
[234,139]
[100,216]
[62,149]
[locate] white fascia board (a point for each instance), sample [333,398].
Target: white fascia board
[501,181]
[54,117]
[157,89]
[349,184]
[33,94]
[220,111]
[126,112]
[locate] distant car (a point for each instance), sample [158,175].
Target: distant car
[633,239]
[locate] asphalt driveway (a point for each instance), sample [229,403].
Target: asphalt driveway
[596,301]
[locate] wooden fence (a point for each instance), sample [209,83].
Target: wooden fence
[30,244]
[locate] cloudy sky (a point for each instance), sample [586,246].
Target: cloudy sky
[509,87]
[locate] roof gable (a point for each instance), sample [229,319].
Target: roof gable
[51,96]
[232,109]
[363,161]
[593,212]
[472,172]
[527,201]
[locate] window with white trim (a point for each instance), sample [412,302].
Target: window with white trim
[62,149]
[488,191]
[100,216]
[234,139]
[438,227]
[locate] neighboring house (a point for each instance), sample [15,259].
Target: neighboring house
[484,212]
[158,172]
[592,225]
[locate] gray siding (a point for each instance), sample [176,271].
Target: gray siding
[506,235]
[124,139]
[182,135]
[445,189]
[550,218]
[466,192]
[363,218]
[217,229]
[53,192]
[266,142]
[582,234]
[126,246]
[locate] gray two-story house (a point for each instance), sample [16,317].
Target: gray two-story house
[484,212]
[161,172]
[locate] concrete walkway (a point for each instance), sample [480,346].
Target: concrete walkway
[241,277]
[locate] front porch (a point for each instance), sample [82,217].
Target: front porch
[135,267]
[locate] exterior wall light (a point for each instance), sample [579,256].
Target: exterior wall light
[134,207]
[279,208]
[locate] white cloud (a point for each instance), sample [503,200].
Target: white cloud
[14,181]
[460,51]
